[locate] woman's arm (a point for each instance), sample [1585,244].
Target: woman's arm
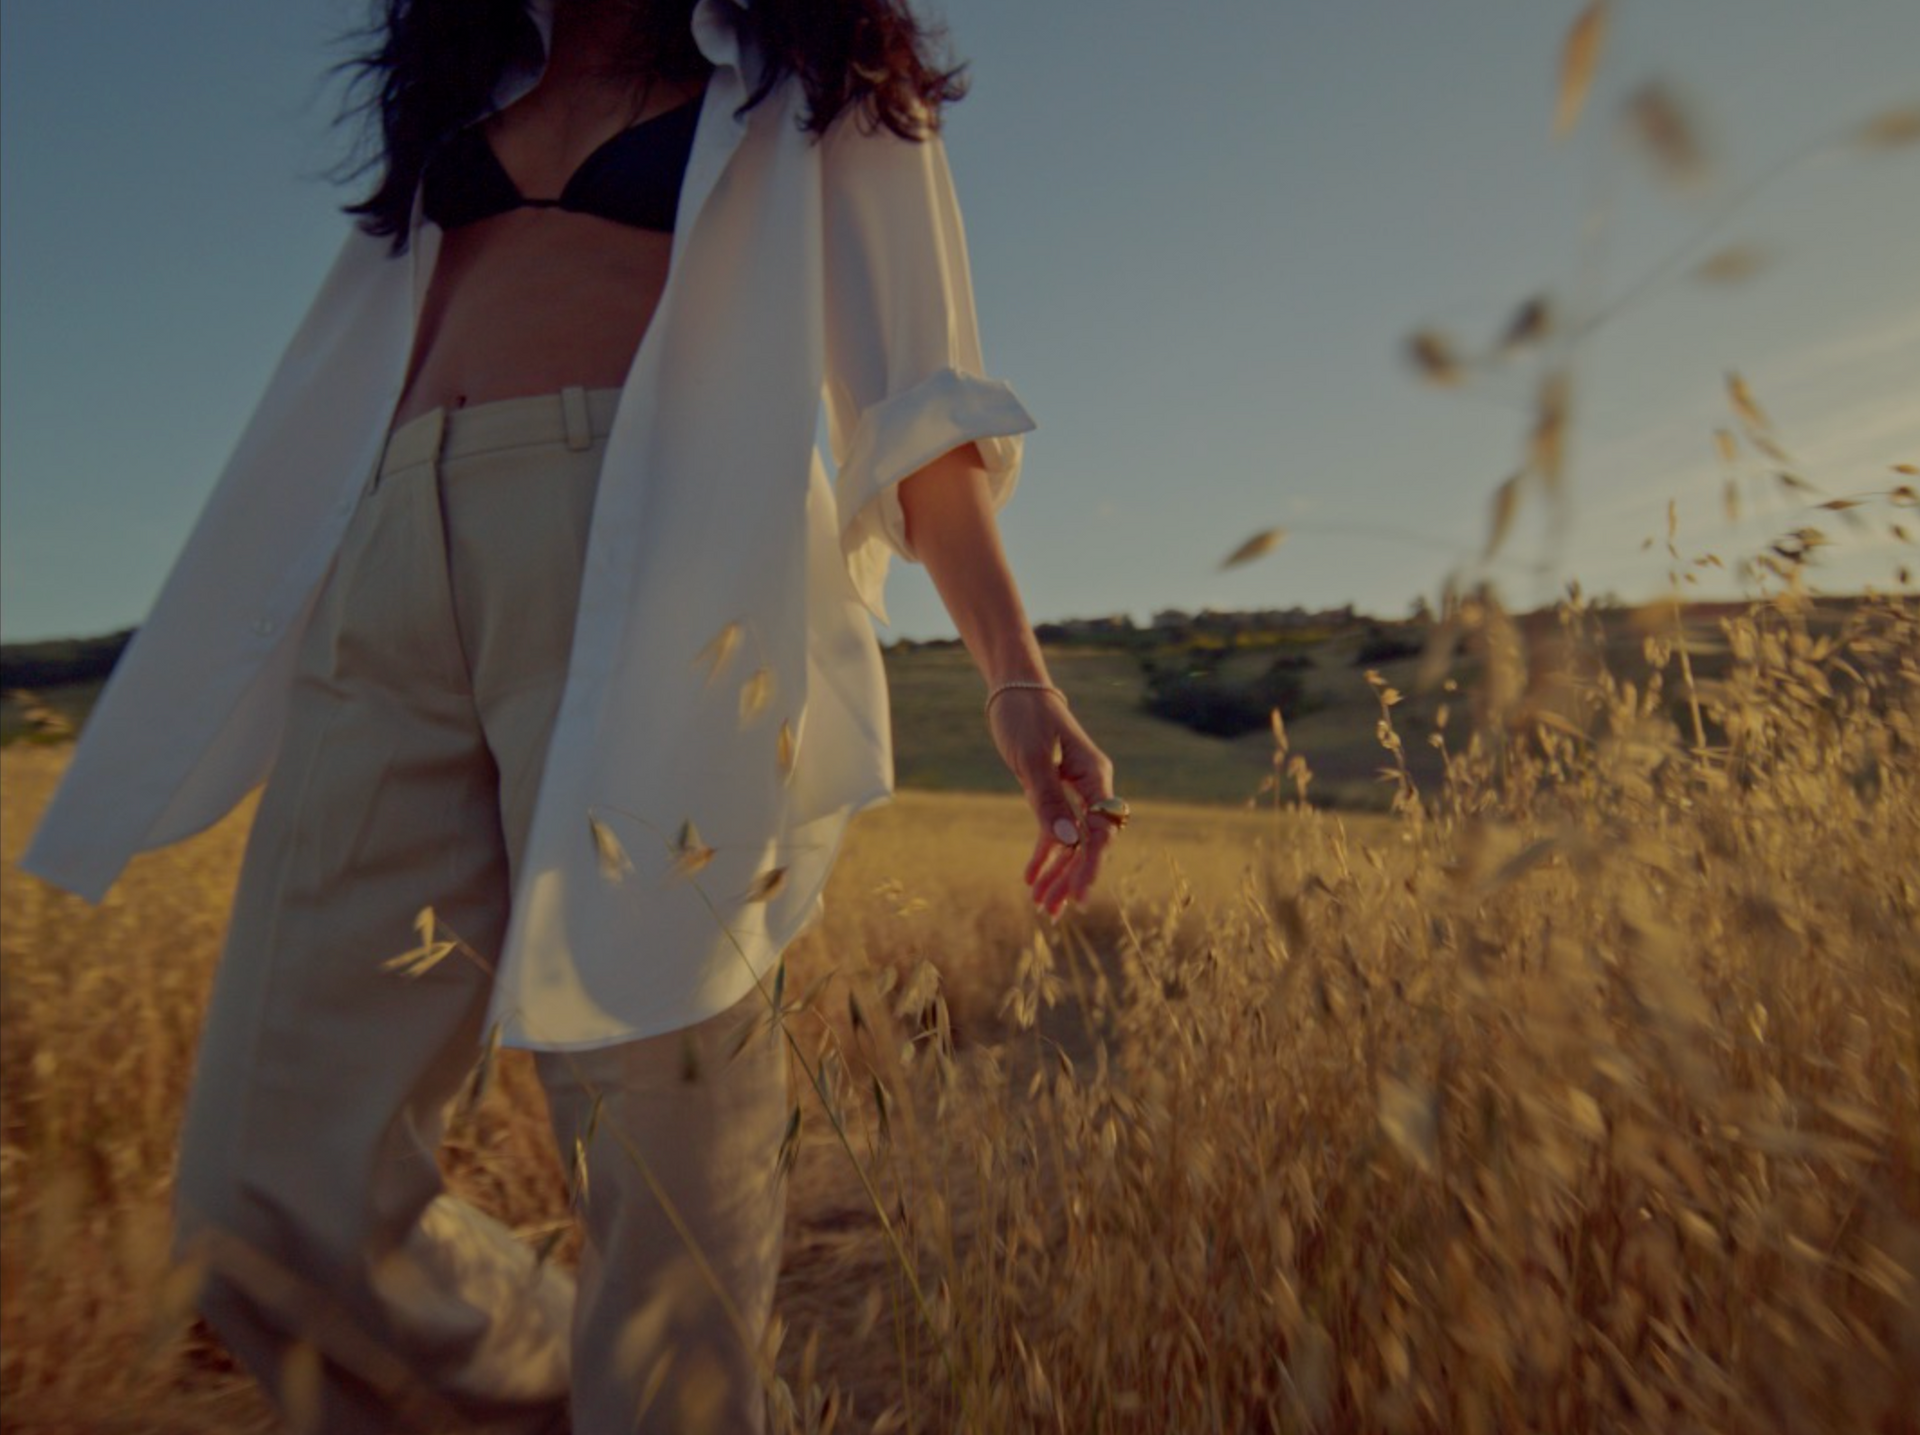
[951,529]
[905,381]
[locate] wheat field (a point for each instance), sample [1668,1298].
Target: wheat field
[1583,1094]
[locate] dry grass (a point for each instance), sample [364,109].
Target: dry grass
[1594,1107]
[100,1009]
[1583,1096]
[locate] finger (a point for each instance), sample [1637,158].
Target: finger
[1051,856]
[1092,855]
[1047,889]
[1054,809]
[1058,895]
[1057,861]
[1077,881]
[1041,848]
[1058,883]
[1070,880]
[1061,894]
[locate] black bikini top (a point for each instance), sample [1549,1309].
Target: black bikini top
[634,178]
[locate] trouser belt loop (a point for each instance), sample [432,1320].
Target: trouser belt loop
[573,408]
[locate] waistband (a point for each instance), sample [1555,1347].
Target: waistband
[574,417]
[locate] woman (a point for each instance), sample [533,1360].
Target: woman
[525,585]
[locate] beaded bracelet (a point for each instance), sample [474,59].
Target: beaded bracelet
[1024,687]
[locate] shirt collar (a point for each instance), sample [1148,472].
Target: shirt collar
[714,30]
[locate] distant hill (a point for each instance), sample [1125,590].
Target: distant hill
[1151,695]
[1180,705]
[61,661]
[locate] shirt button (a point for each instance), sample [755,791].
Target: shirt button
[264,627]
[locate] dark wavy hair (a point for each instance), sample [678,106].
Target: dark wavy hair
[431,66]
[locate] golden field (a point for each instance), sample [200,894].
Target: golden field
[1581,1095]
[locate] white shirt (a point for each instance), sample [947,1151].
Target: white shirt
[800,269]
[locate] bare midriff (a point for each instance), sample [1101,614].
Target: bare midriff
[536,300]
[530,302]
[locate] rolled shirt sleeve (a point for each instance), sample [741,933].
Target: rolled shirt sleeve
[905,379]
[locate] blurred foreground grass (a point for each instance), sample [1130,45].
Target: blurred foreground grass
[1583,1094]
[99,1015]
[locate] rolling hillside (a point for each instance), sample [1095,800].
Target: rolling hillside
[1332,712]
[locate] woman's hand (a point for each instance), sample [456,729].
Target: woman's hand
[1063,775]
[949,516]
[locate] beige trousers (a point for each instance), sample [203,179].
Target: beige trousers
[365,1298]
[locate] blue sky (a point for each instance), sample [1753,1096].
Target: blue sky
[1200,233]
